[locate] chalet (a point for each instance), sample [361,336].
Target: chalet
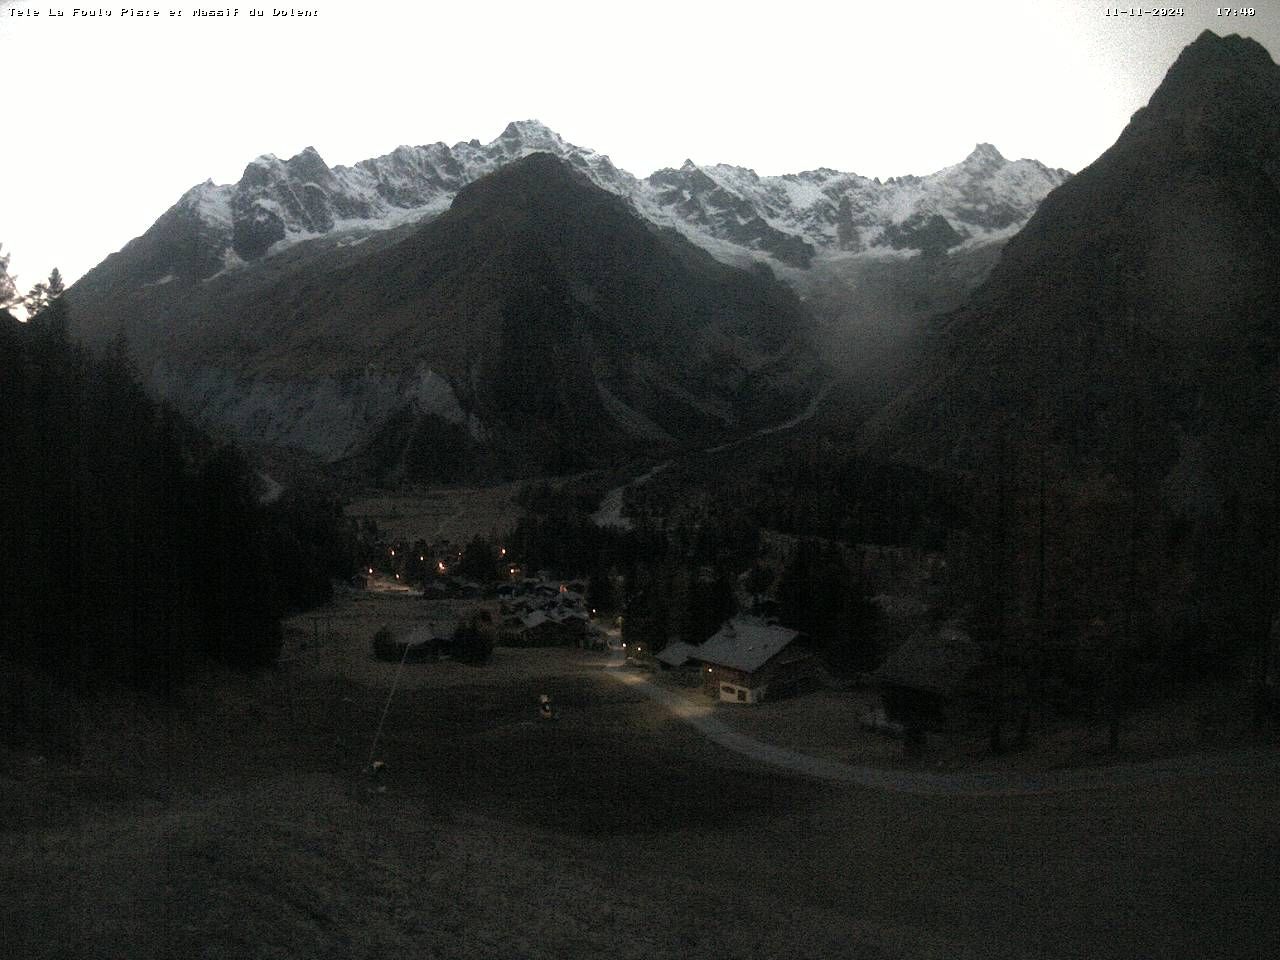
[539,630]
[543,613]
[423,642]
[527,629]
[749,656]
[677,661]
[922,681]
[545,628]
[676,655]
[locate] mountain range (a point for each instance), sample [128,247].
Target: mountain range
[537,325]
[232,308]
[730,210]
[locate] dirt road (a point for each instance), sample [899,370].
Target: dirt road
[609,513]
[926,783]
[240,825]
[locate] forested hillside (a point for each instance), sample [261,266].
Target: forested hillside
[132,547]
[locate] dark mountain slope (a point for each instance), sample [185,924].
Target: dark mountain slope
[132,548]
[1113,392]
[1158,264]
[539,323]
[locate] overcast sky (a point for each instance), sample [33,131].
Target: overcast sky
[110,120]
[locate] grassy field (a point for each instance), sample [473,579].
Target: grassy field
[826,723]
[242,824]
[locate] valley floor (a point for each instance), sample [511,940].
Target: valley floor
[245,825]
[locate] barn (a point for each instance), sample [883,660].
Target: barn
[923,681]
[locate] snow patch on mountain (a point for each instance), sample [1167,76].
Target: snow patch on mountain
[731,211]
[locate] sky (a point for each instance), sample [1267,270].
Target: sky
[111,119]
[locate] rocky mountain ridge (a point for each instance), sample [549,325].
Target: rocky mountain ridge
[538,324]
[729,210]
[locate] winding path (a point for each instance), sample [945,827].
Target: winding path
[609,513]
[975,784]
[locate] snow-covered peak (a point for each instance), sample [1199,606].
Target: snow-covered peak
[795,218]
[535,135]
[984,153]
[732,211]
[209,203]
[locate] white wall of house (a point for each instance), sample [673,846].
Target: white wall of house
[735,693]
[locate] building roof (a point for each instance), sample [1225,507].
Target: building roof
[677,654]
[745,643]
[935,660]
[422,633]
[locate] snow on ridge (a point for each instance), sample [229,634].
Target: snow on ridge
[210,202]
[395,217]
[976,197]
[731,211]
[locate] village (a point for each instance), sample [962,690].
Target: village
[473,602]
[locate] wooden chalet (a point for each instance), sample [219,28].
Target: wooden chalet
[922,681]
[677,655]
[749,659]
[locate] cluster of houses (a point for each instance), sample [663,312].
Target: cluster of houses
[436,567]
[750,658]
[541,613]
[922,684]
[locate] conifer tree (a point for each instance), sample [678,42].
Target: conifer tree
[46,307]
[36,300]
[55,313]
[8,290]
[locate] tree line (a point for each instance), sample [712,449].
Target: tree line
[133,548]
